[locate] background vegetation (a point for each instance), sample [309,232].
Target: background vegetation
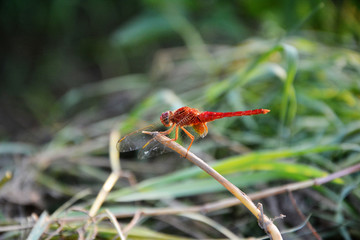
[72,71]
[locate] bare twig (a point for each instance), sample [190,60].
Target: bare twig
[338,174]
[100,198]
[133,222]
[113,177]
[116,224]
[208,207]
[270,227]
[302,216]
[56,232]
[113,152]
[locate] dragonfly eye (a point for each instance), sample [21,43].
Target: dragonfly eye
[165,119]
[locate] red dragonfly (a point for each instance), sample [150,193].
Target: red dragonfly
[188,117]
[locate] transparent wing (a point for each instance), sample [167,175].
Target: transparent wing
[146,145]
[152,149]
[136,140]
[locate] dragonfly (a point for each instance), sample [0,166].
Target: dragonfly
[181,118]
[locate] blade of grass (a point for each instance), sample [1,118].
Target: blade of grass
[230,164]
[212,223]
[40,227]
[288,103]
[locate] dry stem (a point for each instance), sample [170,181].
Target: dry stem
[264,221]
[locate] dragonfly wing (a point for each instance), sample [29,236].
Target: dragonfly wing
[152,149]
[132,143]
[135,140]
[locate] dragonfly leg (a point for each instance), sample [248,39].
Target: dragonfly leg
[167,132]
[190,136]
[176,134]
[164,133]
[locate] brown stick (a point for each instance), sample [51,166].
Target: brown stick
[270,228]
[303,217]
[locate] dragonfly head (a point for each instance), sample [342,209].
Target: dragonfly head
[165,118]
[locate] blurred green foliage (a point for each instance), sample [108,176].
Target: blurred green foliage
[51,47]
[72,70]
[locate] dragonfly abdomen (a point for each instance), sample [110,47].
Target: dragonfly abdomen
[211,116]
